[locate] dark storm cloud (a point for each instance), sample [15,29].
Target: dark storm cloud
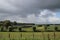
[22,9]
[25,7]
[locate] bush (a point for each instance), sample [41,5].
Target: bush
[1,29]
[10,29]
[20,29]
[56,28]
[34,29]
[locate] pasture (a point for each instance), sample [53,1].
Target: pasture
[29,35]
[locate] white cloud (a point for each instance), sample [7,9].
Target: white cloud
[54,20]
[48,16]
[47,13]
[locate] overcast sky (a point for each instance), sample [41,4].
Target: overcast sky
[30,11]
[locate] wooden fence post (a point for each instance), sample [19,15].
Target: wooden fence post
[21,35]
[48,37]
[9,36]
[54,35]
[33,35]
[43,35]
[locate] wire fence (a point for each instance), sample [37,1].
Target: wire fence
[30,36]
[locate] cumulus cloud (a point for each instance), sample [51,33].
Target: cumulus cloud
[47,13]
[54,20]
[48,16]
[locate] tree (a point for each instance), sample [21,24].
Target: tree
[7,23]
[15,23]
[1,23]
[11,29]
[56,28]
[34,29]
[1,29]
[20,29]
[46,26]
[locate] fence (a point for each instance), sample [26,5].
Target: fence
[29,35]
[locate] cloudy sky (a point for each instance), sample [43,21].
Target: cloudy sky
[30,11]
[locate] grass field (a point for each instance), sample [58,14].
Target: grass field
[29,36]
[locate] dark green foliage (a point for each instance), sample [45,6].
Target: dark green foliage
[39,25]
[7,23]
[11,29]
[1,29]
[56,28]
[34,29]
[20,29]
[48,25]
[45,28]
[14,23]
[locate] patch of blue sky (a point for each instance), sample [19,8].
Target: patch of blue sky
[58,14]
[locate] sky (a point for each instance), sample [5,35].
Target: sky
[31,11]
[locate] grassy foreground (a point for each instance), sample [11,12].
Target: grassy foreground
[29,36]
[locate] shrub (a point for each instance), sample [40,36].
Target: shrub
[56,28]
[20,29]
[1,29]
[10,29]
[34,29]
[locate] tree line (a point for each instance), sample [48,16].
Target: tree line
[7,26]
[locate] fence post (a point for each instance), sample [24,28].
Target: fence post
[33,35]
[54,35]
[21,35]
[43,35]
[9,36]
[48,37]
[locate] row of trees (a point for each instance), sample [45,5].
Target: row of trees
[8,25]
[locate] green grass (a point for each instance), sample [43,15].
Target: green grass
[29,35]
[27,29]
